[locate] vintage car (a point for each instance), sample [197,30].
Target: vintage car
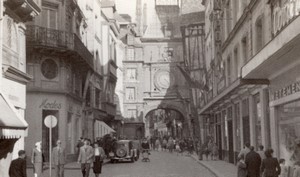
[123,150]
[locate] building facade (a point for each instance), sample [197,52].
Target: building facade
[250,98]
[13,77]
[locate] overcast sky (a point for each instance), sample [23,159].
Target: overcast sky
[126,7]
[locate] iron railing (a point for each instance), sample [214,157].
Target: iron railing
[47,37]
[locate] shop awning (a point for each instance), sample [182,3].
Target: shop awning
[101,129]
[12,125]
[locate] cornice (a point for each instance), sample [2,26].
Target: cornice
[15,74]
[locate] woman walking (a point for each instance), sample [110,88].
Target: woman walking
[99,156]
[242,168]
[37,159]
[270,166]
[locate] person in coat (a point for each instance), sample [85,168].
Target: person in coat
[37,159]
[253,162]
[85,158]
[242,168]
[99,156]
[270,166]
[18,166]
[58,159]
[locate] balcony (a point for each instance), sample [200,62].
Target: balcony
[24,9]
[61,41]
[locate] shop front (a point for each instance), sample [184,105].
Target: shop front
[69,127]
[285,117]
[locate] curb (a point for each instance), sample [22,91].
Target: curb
[207,167]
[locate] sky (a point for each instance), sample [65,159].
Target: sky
[126,7]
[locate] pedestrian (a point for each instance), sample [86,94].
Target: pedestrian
[85,158]
[164,144]
[177,147]
[99,156]
[18,166]
[170,144]
[182,146]
[242,168]
[245,150]
[215,152]
[37,159]
[284,169]
[58,159]
[270,166]
[253,162]
[261,152]
[157,144]
[296,172]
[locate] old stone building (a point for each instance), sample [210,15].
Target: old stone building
[252,97]
[13,77]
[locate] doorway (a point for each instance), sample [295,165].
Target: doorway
[230,142]
[219,140]
[46,132]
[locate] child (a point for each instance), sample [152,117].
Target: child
[242,168]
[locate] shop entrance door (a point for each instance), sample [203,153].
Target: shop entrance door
[45,134]
[230,141]
[219,140]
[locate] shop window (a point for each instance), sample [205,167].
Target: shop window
[238,127]
[257,114]
[246,121]
[289,132]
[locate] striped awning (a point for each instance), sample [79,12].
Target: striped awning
[12,125]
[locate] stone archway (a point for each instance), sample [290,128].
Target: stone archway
[153,105]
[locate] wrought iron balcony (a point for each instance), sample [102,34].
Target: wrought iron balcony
[40,37]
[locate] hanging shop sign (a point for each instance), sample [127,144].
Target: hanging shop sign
[283,11]
[288,90]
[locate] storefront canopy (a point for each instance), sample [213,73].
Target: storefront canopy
[12,125]
[101,129]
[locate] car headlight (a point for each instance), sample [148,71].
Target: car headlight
[111,154]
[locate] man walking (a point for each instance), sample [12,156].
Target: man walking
[58,158]
[245,150]
[86,158]
[253,162]
[18,166]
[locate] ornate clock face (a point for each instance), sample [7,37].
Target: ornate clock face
[49,69]
[163,79]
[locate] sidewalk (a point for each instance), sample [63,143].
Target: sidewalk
[219,168]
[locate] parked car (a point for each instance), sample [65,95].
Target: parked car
[123,150]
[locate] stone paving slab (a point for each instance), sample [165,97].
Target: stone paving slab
[218,167]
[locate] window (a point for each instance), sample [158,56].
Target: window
[236,63]
[131,74]
[130,93]
[130,54]
[259,41]
[245,49]
[49,18]
[132,113]
[97,98]
[228,70]
[228,17]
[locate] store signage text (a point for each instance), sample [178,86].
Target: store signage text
[50,105]
[282,14]
[288,90]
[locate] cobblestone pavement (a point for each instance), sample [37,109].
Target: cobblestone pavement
[162,164]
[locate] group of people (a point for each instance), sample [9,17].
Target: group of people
[88,155]
[261,163]
[171,144]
